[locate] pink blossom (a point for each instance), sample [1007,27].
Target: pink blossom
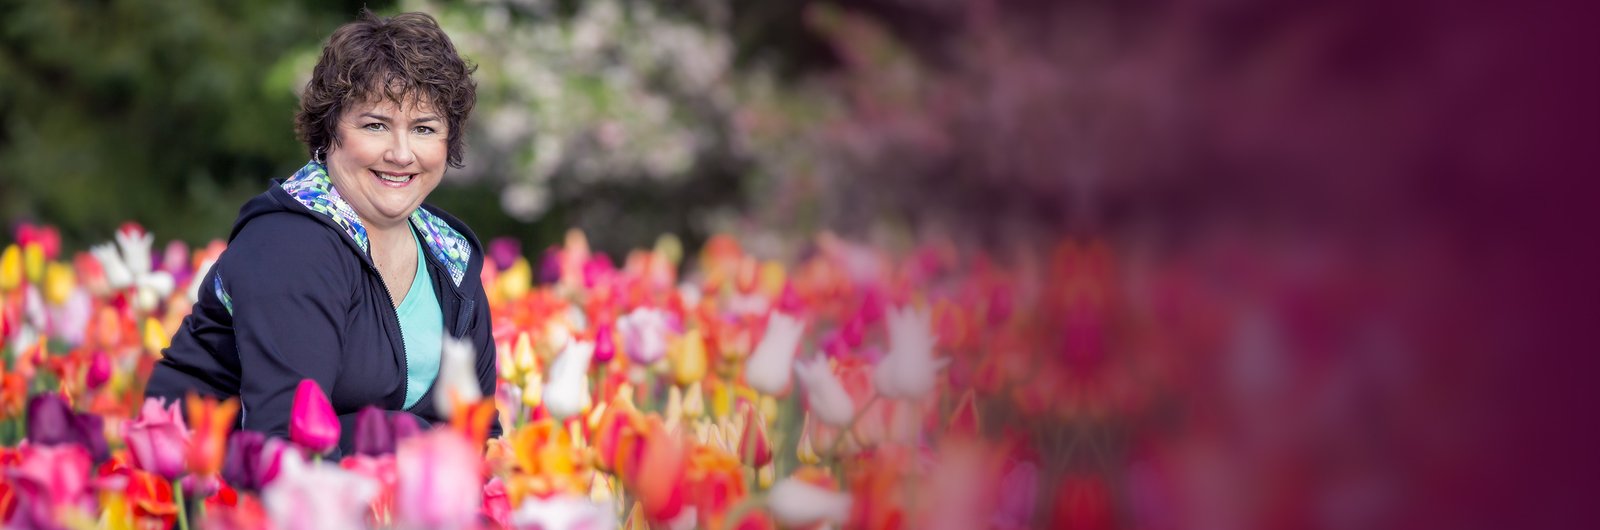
[158,440]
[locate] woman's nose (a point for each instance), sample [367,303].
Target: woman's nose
[399,152]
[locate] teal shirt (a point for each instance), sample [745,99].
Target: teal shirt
[422,327]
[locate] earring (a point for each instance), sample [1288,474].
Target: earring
[317,157]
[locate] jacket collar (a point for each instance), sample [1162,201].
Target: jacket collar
[313,189]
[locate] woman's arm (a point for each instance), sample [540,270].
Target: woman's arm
[290,282]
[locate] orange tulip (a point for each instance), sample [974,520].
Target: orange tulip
[210,420]
[543,448]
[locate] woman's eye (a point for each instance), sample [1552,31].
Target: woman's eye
[424,130]
[373,126]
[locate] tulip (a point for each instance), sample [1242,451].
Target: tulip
[458,377]
[754,450]
[247,514]
[59,283]
[563,512]
[150,498]
[644,334]
[689,362]
[48,482]
[797,503]
[383,472]
[112,267]
[825,395]
[402,426]
[439,482]
[496,503]
[605,344]
[156,338]
[564,395]
[158,439]
[908,370]
[10,268]
[69,321]
[374,437]
[318,496]
[52,422]
[768,368]
[212,421]
[312,422]
[242,465]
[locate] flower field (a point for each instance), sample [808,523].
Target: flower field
[852,388]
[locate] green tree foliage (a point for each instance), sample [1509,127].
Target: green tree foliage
[157,111]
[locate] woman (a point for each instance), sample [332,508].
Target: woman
[340,273]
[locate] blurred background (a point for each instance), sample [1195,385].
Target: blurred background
[1381,203]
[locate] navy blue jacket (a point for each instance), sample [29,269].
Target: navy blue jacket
[296,295]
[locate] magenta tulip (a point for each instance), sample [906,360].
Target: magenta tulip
[158,440]
[312,423]
[49,480]
[99,371]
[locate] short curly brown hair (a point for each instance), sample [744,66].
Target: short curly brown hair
[405,58]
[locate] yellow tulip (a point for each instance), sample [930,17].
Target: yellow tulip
[532,388]
[770,279]
[10,268]
[668,246]
[721,401]
[689,366]
[155,337]
[517,280]
[59,280]
[33,262]
[522,354]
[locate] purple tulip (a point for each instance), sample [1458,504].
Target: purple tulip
[52,422]
[550,266]
[504,251]
[403,425]
[253,460]
[374,437]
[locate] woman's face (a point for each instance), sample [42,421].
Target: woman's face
[388,159]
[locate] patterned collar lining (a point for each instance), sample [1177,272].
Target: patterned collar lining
[311,186]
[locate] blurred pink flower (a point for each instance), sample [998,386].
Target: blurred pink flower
[158,439]
[318,496]
[312,423]
[440,482]
[384,473]
[49,480]
[644,334]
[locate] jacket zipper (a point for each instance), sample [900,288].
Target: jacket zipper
[405,361]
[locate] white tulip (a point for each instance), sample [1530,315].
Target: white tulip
[908,371]
[796,503]
[825,395]
[458,376]
[767,369]
[568,387]
[117,273]
[565,512]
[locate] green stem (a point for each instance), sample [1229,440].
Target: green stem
[183,513]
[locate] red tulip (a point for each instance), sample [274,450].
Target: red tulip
[312,422]
[754,450]
[158,440]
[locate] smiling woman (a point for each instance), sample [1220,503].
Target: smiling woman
[342,274]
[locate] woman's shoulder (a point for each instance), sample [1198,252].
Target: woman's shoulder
[451,241]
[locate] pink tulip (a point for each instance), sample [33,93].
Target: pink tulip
[158,440]
[440,482]
[318,496]
[99,371]
[381,469]
[49,481]
[312,423]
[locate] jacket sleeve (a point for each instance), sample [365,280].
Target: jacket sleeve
[290,284]
[483,337]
